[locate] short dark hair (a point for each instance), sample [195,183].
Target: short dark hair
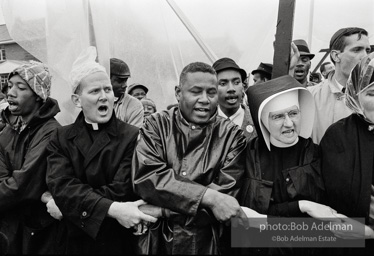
[323,66]
[263,75]
[195,67]
[340,43]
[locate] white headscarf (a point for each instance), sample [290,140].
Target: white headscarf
[83,66]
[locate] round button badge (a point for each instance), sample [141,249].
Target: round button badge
[249,128]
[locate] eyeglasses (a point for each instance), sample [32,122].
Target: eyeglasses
[292,114]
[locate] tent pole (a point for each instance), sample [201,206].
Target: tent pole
[311,18]
[208,52]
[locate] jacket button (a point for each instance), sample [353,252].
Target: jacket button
[193,127]
[184,173]
[32,233]
[288,179]
[84,214]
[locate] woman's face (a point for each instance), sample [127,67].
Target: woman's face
[366,99]
[284,124]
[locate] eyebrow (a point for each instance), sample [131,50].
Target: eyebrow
[225,79]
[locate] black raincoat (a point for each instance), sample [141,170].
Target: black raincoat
[174,164]
[24,218]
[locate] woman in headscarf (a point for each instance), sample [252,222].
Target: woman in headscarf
[348,154]
[282,165]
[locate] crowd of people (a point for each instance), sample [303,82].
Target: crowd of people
[127,178]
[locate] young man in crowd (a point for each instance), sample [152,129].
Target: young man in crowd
[301,72]
[189,161]
[89,169]
[326,68]
[138,91]
[347,47]
[24,219]
[126,107]
[262,73]
[230,95]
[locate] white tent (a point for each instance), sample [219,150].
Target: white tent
[156,44]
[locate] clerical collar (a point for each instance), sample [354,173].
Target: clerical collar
[95,126]
[280,144]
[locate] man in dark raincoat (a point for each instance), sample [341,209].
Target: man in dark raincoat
[189,160]
[89,173]
[24,218]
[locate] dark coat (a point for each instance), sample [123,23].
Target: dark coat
[85,178]
[303,182]
[174,164]
[248,125]
[24,218]
[347,169]
[347,166]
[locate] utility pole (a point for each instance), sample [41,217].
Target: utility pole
[283,38]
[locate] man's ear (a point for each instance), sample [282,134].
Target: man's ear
[177,92]
[75,98]
[335,56]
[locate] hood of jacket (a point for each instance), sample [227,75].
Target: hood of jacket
[48,110]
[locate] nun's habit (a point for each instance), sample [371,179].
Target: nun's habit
[278,174]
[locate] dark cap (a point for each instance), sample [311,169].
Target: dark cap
[303,48]
[119,68]
[266,68]
[227,63]
[345,32]
[136,85]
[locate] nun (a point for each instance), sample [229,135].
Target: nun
[283,175]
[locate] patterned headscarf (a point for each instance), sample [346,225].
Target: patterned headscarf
[360,79]
[37,76]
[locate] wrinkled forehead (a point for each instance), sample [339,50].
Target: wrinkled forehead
[284,110]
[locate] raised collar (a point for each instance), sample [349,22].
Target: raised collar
[183,121]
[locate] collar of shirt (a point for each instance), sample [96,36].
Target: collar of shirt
[335,86]
[19,125]
[236,118]
[119,99]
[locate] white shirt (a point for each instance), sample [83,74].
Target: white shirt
[237,118]
[330,106]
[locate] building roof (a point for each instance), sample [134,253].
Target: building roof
[4,34]
[9,65]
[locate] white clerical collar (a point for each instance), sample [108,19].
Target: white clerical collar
[280,144]
[95,126]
